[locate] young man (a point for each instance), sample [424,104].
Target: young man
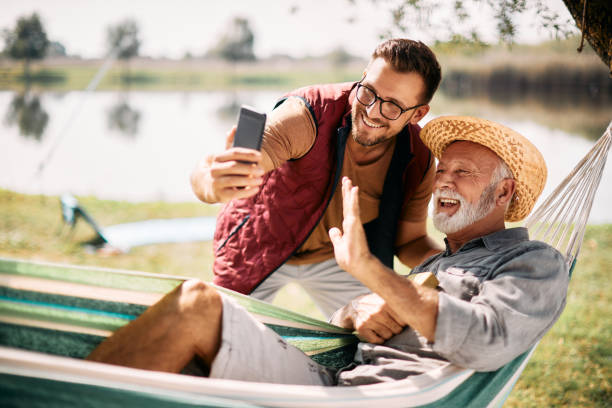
[273,229]
[498,291]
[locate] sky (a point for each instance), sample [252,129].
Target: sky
[173,28]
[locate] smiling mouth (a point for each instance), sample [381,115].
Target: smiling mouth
[448,203]
[370,124]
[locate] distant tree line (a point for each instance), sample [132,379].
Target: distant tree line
[28,40]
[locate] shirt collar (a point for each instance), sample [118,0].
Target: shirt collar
[496,240]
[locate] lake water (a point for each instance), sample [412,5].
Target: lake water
[142,146]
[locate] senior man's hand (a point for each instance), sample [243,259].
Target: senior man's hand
[371,317]
[237,172]
[350,245]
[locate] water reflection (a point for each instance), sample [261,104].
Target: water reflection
[27,112]
[124,118]
[555,86]
[229,109]
[577,101]
[176,129]
[576,114]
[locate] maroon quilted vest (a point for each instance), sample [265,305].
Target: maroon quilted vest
[255,236]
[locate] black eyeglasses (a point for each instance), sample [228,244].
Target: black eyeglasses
[389,109]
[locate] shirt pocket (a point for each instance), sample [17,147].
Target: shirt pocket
[468,270]
[463,281]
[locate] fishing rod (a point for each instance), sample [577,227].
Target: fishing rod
[93,84]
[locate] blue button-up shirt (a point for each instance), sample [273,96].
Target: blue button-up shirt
[499,294]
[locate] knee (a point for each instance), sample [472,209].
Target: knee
[198,298]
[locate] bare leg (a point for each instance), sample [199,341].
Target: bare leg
[184,323]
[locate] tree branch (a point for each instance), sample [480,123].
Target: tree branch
[597,28]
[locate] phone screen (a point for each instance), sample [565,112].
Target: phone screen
[250,128]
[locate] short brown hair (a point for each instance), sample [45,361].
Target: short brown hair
[406,55]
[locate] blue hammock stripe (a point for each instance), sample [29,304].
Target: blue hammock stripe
[69,308]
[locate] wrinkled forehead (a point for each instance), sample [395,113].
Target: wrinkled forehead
[470,152]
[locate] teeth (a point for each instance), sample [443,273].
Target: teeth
[370,124]
[448,201]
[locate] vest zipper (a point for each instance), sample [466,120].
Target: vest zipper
[233,232]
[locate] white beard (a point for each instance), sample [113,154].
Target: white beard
[467,214]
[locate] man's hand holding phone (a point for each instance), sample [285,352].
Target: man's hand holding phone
[237,172]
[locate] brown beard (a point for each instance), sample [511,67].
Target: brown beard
[366,143]
[355,134]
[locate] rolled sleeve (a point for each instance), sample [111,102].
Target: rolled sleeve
[290,132]
[451,327]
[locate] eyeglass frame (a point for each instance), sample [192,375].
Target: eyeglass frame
[378,98]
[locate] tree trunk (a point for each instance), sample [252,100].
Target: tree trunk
[597,25]
[26,70]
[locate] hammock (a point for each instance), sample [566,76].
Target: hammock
[49,312]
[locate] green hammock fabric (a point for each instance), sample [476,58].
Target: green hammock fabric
[21,391]
[89,318]
[328,344]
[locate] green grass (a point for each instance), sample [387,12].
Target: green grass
[31,228]
[571,366]
[147,75]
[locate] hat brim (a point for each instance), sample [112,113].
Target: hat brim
[520,155]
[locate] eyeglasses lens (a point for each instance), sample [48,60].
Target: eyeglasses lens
[388,109]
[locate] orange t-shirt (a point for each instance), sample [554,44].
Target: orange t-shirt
[290,133]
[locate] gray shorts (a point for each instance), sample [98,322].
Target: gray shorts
[329,286]
[252,352]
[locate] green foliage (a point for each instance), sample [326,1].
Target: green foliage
[236,44]
[433,18]
[459,44]
[124,39]
[28,40]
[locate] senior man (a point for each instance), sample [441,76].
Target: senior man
[498,291]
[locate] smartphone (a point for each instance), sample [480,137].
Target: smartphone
[250,128]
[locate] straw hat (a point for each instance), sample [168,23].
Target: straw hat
[521,156]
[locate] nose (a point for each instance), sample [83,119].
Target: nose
[443,180]
[374,109]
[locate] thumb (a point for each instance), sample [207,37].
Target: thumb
[229,138]
[335,235]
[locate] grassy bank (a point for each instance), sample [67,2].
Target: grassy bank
[571,366]
[169,75]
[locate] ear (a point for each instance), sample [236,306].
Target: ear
[419,113]
[505,191]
